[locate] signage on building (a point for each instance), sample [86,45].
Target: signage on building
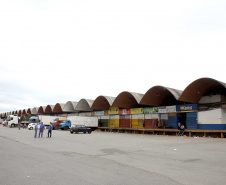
[100,113]
[137,111]
[167,109]
[150,110]
[187,108]
[124,111]
[113,110]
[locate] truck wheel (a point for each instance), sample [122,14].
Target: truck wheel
[31,128]
[89,132]
[76,132]
[65,128]
[71,132]
[13,125]
[84,132]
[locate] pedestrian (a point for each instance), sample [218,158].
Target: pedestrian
[41,129]
[50,130]
[24,127]
[19,125]
[181,130]
[178,127]
[36,129]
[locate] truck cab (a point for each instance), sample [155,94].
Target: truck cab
[33,119]
[12,120]
[56,123]
[65,125]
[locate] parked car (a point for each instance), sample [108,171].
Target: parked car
[80,128]
[31,126]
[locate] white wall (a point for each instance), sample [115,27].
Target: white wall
[210,99]
[223,116]
[210,117]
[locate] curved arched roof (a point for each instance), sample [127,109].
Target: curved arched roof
[161,96]
[20,112]
[49,109]
[127,100]
[103,102]
[58,108]
[70,106]
[24,111]
[41,110]
[34,110]
[194,91]
[29,111]
[84,105]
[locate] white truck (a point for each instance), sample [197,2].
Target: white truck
[12,120]
[45,119]
[90,122]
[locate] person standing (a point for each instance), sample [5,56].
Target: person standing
[19,123]
[41,130]
[24,127]
[36,129]
[50,130]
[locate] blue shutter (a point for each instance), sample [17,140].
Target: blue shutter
[191,120]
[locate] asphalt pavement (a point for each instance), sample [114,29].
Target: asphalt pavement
[104,158]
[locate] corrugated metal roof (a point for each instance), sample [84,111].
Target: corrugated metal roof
[127,100]
[103,102]
[70,106]
[194,91]
[58,108]
[49,109]
[42,109]
[161,96]
[33,111]
[29,110]
[84,105]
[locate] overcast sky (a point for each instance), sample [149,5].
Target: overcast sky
[54,51]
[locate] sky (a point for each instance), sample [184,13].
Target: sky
[54,51]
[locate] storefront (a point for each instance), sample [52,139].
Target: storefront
[167,116]
[124,118]
[187,115]
[137,117]
[103,118]
[113,117]
[151,117]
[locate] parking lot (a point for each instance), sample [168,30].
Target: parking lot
[109,158]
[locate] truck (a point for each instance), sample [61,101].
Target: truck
[56,123]
[24,118]
[12,120]
[90,122]
[46,119]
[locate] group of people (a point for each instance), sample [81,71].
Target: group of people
[41,130]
